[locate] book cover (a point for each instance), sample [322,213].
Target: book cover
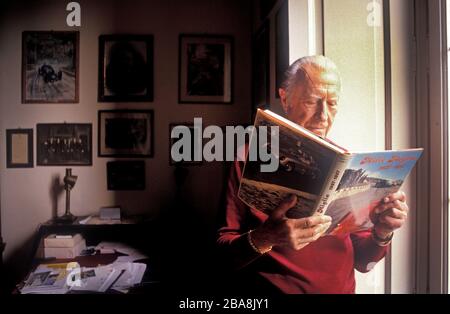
[324,176]
[367,180]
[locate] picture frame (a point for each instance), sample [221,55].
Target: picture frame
[205,69]
[50,67]
[64,144]
[125,133]
[125,68]
[172,141]
[125,175]
[19,152]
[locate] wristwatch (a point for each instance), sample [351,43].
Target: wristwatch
[380,241]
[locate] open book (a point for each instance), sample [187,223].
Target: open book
[324,177]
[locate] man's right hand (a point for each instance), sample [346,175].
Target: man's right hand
[294,233]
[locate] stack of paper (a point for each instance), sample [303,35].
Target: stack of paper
[63,246]
[96,279]
[48,279]
[62,278]
[132,274]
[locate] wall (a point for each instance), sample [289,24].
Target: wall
[27,199]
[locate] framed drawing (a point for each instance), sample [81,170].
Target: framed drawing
[126,175]
[205,69]
[50,67]
[64,144]
[261,69]
[125,68]
[19,152]
[125,133]
[187,152]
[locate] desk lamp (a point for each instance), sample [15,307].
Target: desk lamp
[69,183]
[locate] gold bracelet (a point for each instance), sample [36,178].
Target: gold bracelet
[380,241]
[254,247]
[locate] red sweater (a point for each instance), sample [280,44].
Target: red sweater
[324,266]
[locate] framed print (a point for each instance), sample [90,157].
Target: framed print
[125,133]
[205,69]
[125,68]
[19,144]
[126,175]
[261,69]
[50,67]
[191,146]
[64,144]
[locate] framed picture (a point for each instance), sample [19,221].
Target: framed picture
[19,153]
[125,133]
[125,68]
[261,69]
[192,147]
[64,144]
[205,69]
[50,67]
[126,175]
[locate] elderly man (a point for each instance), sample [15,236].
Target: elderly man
[290,255]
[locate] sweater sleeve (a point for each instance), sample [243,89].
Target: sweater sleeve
[232,236]
[367,251]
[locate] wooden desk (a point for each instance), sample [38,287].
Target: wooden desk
[142,235]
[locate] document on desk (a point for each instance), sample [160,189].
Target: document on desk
[48,279]
[98,279]
[132,254]
[131,275]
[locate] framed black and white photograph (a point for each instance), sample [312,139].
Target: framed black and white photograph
[126,175]
[50,67]
[64,144]
[19,153]
[192,146]
[125,133]
[205,69]
[125,68]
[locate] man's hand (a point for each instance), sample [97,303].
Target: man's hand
[390,214]
[293,233]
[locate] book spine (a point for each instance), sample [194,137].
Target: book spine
[333,179]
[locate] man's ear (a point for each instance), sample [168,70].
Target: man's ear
[283,99]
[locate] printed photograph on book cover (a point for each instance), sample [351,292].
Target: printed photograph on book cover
[303,169]
[368,178]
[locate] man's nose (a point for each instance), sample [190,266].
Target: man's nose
[322,110]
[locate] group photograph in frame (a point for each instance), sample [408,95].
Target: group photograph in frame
[19,153]
[64,144]
[205,69]
[50,67]
[125,68]
[125,133]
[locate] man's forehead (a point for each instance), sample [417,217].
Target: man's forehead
[322,76]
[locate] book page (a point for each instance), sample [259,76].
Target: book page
[304,167]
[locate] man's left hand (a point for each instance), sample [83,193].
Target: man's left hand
[390,214]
